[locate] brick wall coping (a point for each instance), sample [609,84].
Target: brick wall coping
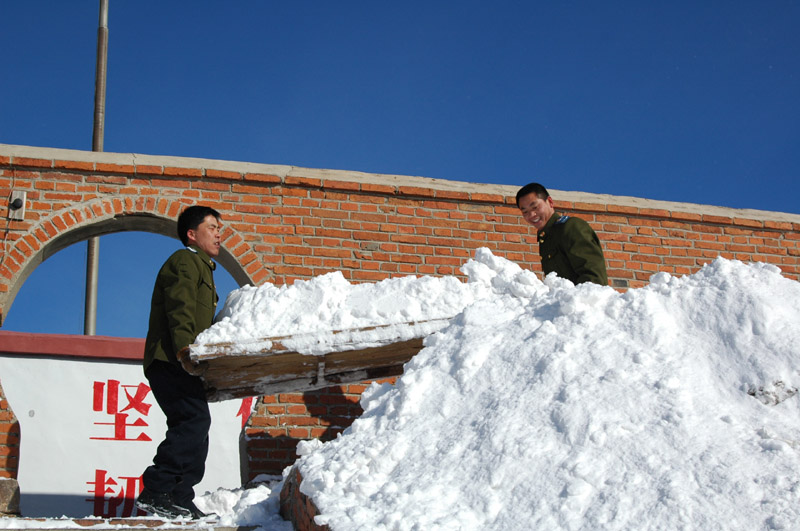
[157,165]
[63,345]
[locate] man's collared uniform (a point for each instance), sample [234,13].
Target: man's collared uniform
[183,305]
[569,247]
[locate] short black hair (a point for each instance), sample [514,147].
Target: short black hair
[191,218]
[532,188]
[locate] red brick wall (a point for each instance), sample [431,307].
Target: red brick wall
[283,223]
[280,421]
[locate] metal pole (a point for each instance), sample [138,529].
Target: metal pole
[93,247]
[100,78]
[92,268]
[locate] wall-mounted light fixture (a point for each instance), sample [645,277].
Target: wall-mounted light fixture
[16,206]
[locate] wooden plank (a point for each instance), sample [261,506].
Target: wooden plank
[236,370]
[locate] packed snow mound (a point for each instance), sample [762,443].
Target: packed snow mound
[553,406]
[309,310]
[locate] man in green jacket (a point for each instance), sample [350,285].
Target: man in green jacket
[183,305]
[568,246]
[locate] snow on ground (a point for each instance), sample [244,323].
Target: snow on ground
[256,506]
[544,405]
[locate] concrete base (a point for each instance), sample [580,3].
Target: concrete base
[9,496]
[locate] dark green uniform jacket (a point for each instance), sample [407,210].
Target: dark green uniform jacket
[571,248]
[183,304]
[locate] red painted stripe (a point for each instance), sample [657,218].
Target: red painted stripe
[25,343]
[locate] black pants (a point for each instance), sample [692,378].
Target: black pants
[180,460]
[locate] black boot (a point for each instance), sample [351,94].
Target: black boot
[161,504]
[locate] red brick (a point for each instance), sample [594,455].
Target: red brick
[377,188]
[262,178]
[723,220]
[415,191]
[170,171]
[149,170]
[114,168]
[622,209]
[32,162]
[73,165]
[223,174]
[686,216]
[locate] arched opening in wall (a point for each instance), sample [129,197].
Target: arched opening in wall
[52,297]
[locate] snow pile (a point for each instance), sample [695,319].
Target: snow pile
[551,406]
[312,310]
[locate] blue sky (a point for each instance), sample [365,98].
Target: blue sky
[681,101]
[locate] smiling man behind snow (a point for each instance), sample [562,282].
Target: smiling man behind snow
[568,246]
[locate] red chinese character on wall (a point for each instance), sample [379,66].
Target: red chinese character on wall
[114,497]
[106,398]
[245,409]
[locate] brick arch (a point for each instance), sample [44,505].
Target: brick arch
[107,216]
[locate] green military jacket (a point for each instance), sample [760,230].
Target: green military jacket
[183,304]
[571,248]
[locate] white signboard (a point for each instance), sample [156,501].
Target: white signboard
[90,428]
